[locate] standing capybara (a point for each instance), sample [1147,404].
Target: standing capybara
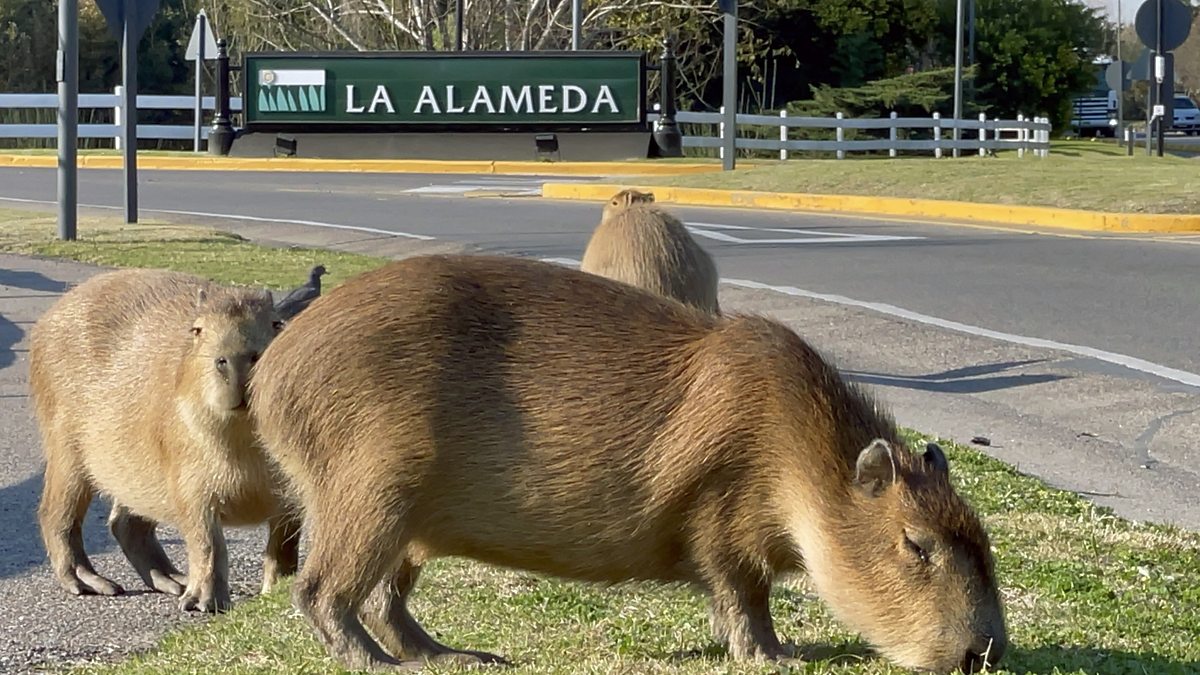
[138,380]
[532,416]
[639,243]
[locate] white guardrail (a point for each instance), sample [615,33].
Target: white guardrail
[975,135]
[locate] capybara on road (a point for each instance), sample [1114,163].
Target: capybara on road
[639,243]
[138,380]
[537,417]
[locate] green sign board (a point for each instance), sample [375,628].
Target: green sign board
[396,91]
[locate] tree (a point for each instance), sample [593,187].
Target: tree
[1034,56]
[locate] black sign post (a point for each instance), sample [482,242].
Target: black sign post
[1162,25]
[67,74]
[128,20]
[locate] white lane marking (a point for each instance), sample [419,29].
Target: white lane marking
[814,236]
[516,186]
[1131,362]
[235,216]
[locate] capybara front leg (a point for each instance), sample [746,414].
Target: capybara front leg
[66,496]
[743,603]
[208,561]
[283,550]
[386,615]
[138,541]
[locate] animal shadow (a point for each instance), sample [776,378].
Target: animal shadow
[10,335]
[1053,658]
[21,547]
[32,281]
[967,380]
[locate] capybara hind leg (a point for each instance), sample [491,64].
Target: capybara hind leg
[386,615]
[208,561]
[349,556]
[283,550]
[66,496]
[138,541]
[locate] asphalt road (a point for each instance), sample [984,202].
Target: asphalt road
[1132,297]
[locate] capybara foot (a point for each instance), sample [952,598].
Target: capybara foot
[168,582]
[80,581]
[466,658]
[204,600]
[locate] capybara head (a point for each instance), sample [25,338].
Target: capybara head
[912,568]
[626,198]
[229,333]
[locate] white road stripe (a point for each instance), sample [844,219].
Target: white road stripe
[234,216]
[1131,362]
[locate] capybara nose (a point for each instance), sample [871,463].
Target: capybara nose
[986,650]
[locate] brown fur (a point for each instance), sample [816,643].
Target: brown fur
[130,402]
[529,415]
[640,244]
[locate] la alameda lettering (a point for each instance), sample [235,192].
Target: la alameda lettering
[542,98]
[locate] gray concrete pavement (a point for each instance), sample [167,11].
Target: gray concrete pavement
[1123,438]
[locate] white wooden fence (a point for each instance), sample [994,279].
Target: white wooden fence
[975,135]
[112,102]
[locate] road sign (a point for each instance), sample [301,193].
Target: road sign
[1176,24]
[139,14]
[1139,70]
[203,43]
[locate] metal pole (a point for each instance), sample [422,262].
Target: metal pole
[958,66]
[201,25]
[729,86]
[220,136]
[1121,89]
[576,22]
[458,24]
[1158,50]
[970,32]
[129,45]
[68,116]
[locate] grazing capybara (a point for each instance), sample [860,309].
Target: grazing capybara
[138,381]
[639,243]
[528,415]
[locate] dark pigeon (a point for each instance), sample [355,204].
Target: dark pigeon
[300,297]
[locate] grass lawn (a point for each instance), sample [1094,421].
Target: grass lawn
[1077,174]
[1085,591]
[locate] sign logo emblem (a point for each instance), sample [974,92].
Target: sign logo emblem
[284,91]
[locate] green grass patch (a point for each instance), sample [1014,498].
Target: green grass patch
[1077,174]
[1085,590]
[219,255]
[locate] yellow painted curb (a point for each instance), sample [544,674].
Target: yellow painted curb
[213,163]
[1071,219]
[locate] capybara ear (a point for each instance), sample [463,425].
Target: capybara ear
[649,196]
[936,458]
[876,467]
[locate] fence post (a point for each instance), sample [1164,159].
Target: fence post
[937,135]
[783,134]
[1044,136]
[841,137]
[893,134]
[721,134]
[982,134]
[119,92]
[1022,135]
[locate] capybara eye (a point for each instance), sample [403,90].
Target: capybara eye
[221,362]
[254,357]
[277,325]
[916,549]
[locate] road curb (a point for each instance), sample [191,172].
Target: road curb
[213,163]
[1071,219]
